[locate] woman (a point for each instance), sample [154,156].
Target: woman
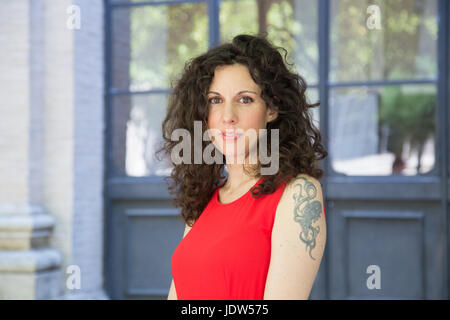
[253,235]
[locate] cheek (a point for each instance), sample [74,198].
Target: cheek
[213,123]
[254,121]
[212,120]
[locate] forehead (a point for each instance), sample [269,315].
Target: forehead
[233,78]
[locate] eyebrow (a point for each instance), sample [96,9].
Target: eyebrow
[236,94]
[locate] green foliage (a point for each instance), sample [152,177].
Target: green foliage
[403,48]
[163,38]
[409,115]
[237,17]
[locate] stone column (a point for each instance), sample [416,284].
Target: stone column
[74,128]
[29,266]
[51,149]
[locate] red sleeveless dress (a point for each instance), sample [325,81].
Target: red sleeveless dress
[226,254]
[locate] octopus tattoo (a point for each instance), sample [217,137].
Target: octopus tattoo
[307,212]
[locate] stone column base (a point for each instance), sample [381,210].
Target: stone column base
[29,268]
[30,274]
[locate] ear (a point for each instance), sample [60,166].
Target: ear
[271,115]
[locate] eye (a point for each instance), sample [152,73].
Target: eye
[250,100]
[209,100]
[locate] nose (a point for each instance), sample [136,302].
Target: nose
[229,115]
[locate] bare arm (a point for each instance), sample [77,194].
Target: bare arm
[172,291]
[298,241]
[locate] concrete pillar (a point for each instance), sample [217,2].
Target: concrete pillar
[29,267]
[51,149]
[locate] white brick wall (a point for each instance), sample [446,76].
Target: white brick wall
[14,93]
[87,237]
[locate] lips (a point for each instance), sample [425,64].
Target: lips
[230,135]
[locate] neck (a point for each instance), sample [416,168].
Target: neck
[237,177]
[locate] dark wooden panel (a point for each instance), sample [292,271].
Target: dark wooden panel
[401,238]
[341,188]
[145,236]
[151,237]
[415,188]
[392,241]
[131,188]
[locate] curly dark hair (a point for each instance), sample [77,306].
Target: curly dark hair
[282,90]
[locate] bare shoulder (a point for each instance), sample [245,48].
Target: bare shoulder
[302,187]
[305,181]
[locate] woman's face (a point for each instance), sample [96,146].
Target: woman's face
[235,106]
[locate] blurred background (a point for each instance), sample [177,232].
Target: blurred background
[84,210]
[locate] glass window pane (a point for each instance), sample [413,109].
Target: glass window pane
[136,135]
[312,95]
[152,43]
[305,33]
[383,39]
[383,130]
[236,17]
[289,24]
